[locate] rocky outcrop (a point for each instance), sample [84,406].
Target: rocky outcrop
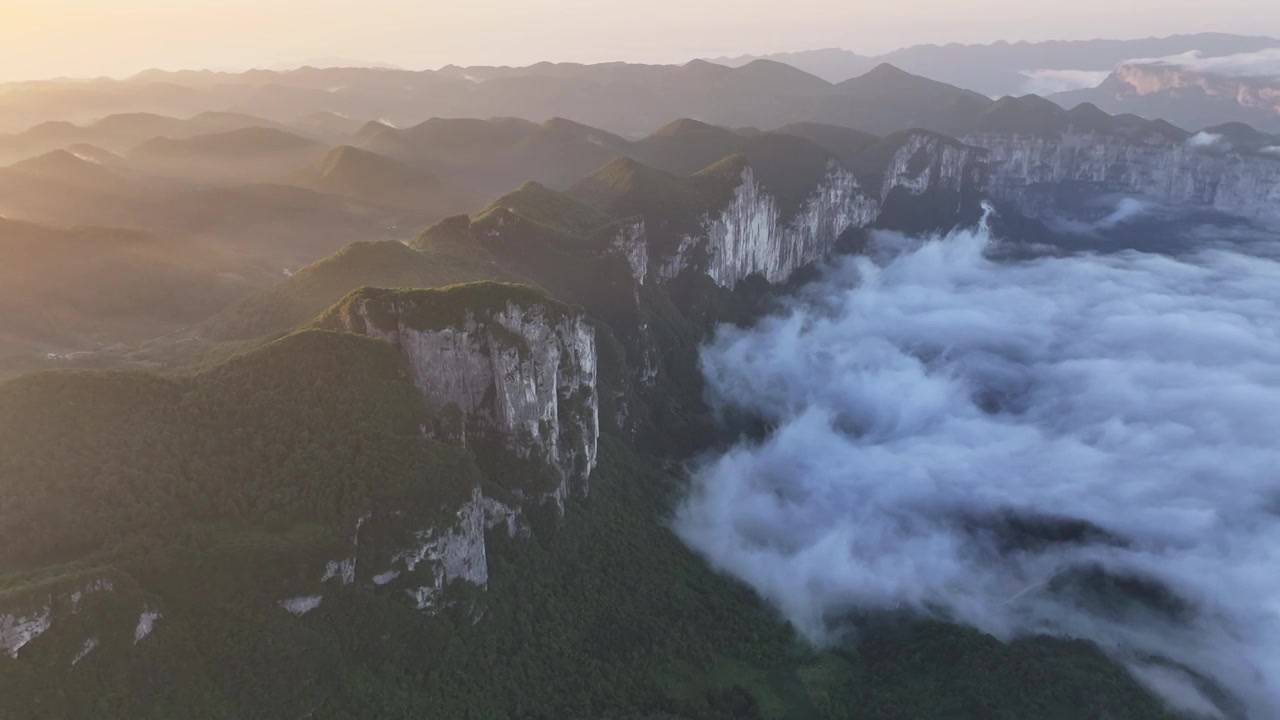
[498,364]
[751,237]
[632,244]
[17,630]
[1186,95]
[449,553]
[927,162]
[421,555]
[504,372]
[147,620]
[301,605]
[52,609]
[1031,173]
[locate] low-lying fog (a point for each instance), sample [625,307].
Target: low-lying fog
[1084,445]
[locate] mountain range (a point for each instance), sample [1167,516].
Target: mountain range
[230,191]
[634,99]
[1005,68]
[1192,90]
[351,420]
[461,447]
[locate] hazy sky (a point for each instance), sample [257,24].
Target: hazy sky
[45,38]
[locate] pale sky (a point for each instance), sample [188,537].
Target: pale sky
[47,38]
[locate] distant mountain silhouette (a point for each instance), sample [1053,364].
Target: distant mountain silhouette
[1185,95]
[122,132]
[368,176]
[1004,68]
[246,154]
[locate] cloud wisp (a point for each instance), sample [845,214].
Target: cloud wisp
[1082,446]
[1263,63]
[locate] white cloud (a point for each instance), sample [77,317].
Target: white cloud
[1208,141]
[1128,210]
[1263,63]
[926,398]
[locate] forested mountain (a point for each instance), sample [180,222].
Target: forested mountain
[446,501]
[616,98]
[389,421]
[68,290]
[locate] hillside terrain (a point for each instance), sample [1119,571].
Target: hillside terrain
[446,501]
[313,416]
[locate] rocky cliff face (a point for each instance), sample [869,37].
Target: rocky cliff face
[505,372]
[89,611]
[750,236]
[418,555]
[517,372]
[926,162]
[1030,172]
[630,243]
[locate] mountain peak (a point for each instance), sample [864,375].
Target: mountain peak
[355,166]
[703,66]
[789,77]
[619,176]
[63,164]
[690,129]
[539,203]
[887,71]
[730,167]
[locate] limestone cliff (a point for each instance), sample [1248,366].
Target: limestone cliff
[497,364]
[1032,172]
[928,162]
[508,374]
[750,235]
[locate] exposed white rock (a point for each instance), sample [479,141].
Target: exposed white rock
[16,631]
[146,624]
[386,577]
[300,606]
[454,553]
[749,237]
[89,646]
[497,514]
[942,163]
[1175,173]
[99,585]
[343,570]
[631,243]
[519,372]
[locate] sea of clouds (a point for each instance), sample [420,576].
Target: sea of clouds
[1084,445]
